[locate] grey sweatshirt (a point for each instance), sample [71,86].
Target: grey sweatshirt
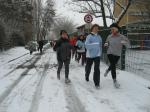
[115,44]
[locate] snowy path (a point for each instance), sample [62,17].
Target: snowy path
[29,84]
[109,99]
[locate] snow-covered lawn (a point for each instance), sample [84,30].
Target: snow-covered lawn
[36,89]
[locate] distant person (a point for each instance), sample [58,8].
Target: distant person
[114,43]
[63,49]
[73,41]
[93,46]
[40,46]
[52,43]
[31,46]
[81,49]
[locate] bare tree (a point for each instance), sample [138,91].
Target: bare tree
[98,8]
[101,8]
[63,23]
[124,10]
[47,18]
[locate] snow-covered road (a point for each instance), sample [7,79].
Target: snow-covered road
[28,83]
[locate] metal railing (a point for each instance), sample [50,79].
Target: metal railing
[137,57]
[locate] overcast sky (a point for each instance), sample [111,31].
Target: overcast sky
[64,10]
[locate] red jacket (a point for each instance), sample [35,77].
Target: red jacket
[73,41]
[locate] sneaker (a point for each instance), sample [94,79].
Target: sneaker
[58,76]
[67,80]
[87,79]
[116,84]
[106,73]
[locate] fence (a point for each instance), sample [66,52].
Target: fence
[136,59]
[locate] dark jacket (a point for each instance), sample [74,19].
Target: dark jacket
[63,49]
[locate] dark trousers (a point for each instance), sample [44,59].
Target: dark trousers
[96,75]
[113,61]
[73,52]
[40,48]
[60,64]
[81,56]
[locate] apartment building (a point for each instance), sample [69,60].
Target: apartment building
[138,14]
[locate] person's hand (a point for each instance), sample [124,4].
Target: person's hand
[123,41]
[106,44]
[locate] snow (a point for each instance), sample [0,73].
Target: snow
[29,84]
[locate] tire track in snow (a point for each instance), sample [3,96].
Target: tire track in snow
[11,88]
[16,68]
[14,59]
[17,58]
[37,95]
[74,103]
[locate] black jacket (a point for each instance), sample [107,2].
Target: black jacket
[63,49]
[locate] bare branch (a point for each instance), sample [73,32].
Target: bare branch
[120,5]
[123,12]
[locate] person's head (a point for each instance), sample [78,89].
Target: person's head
[63,34]
[81,37]
[95,28]
[114,28]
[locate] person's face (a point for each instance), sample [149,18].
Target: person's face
[81,37]
[64,35]
[95,29]
[114,30]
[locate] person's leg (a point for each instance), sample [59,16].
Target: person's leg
[76,55]
[40,50]
[31,52]
[96,75]
[109,68]
[83,58]
[60,64]
[66,63]
[79,57]
[88,66]
[73,52]
[115,61]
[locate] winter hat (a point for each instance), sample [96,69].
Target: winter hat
[114,25]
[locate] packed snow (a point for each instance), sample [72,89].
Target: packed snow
[28,83]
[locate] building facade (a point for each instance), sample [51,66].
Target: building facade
[137,14]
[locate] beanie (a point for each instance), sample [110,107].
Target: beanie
[114,25]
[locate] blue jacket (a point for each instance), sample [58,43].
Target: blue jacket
[93,45]
[81,46]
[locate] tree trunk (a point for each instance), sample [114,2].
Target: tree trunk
[103,14]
